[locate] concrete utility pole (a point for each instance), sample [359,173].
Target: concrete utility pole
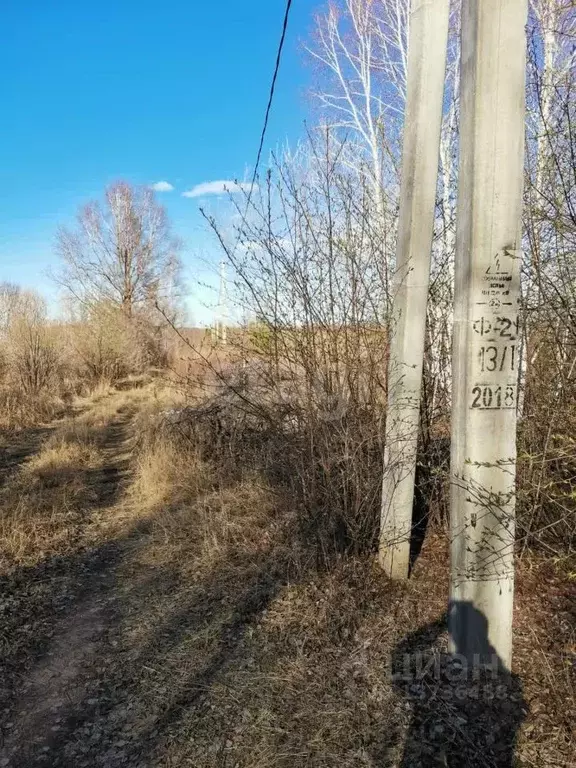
[486,323]
[422,124]
[221,313]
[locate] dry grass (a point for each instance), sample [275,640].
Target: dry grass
[72,448]
[19,410]
[253,657]
[167,474]
[193,505]
[224,644]
[61,463]
[42,504]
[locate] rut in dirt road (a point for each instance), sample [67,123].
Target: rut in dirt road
[67,604]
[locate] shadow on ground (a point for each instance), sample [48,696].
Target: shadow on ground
[13,452]
[79,689]
[244,667]
[466,707]
[248,659]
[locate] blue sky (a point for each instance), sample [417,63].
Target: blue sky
[139,90]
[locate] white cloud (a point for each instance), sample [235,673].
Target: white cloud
[217,188]
[162,186]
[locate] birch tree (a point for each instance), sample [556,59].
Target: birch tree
[551,70]
[122,253]
[361,50]
[362,47]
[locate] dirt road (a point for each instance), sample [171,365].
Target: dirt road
[59,618]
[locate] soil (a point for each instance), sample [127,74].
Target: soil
[58,613]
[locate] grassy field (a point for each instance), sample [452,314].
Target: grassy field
[162,606]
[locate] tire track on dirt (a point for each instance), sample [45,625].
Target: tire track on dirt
[52,690]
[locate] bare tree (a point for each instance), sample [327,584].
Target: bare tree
[10,296]
[551,71]
[32,351]
[548,373]
[311,365]
[15,302]
[362,48]
[122,253]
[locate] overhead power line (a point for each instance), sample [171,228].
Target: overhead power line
[267,113]
[270,98]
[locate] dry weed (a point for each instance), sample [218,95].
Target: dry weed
[220,625]
[192,504]
[44,502]
[19,410]
[167,473]
[61,461]
[38,522]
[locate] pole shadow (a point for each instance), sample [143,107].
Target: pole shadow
[420,515]
[466,706]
